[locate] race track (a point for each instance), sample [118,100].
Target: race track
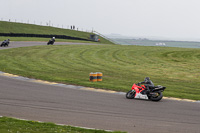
[26,99]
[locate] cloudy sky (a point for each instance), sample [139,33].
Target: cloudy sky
[146,18]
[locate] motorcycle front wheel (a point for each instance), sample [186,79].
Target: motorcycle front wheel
[157,97]
[130,94]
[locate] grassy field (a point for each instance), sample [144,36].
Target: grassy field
[176,68]
[11,27]
[10,125]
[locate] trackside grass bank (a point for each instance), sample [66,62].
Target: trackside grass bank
[10,125]
[175,68]
[12,27]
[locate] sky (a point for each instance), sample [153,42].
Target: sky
[178,19]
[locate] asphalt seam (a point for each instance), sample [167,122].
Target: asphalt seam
[81,87]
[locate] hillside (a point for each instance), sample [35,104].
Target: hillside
[12,27]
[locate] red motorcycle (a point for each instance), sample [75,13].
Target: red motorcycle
[140,92]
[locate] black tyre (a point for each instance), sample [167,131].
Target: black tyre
[130,94]
[156,97]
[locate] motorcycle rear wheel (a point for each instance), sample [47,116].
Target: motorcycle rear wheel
[130,94]
[158,97]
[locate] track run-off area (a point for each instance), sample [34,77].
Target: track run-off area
[26,98]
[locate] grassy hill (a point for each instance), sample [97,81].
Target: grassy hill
[12,27]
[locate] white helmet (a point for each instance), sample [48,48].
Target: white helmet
[53,37]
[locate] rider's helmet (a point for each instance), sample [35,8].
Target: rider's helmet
[53,37]
[146,79]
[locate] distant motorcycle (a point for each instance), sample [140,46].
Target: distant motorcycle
[5,43]
[140,92]
[51,42]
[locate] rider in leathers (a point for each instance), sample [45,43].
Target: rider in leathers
[5,42]
[148,84]
[53,39]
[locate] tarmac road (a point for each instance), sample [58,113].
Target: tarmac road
[16,44]
[26,99]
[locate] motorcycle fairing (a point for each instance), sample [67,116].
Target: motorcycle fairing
[141,96]
[138,90]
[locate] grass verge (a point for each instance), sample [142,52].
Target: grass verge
[175,68]
[10,125]
[12,27]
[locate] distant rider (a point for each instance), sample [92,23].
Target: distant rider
[53,39]
[148,84]
[5,42]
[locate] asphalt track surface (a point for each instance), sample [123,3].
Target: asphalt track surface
[101,110]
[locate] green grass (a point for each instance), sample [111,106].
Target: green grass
[11,27]
[175,68]
[10,125]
